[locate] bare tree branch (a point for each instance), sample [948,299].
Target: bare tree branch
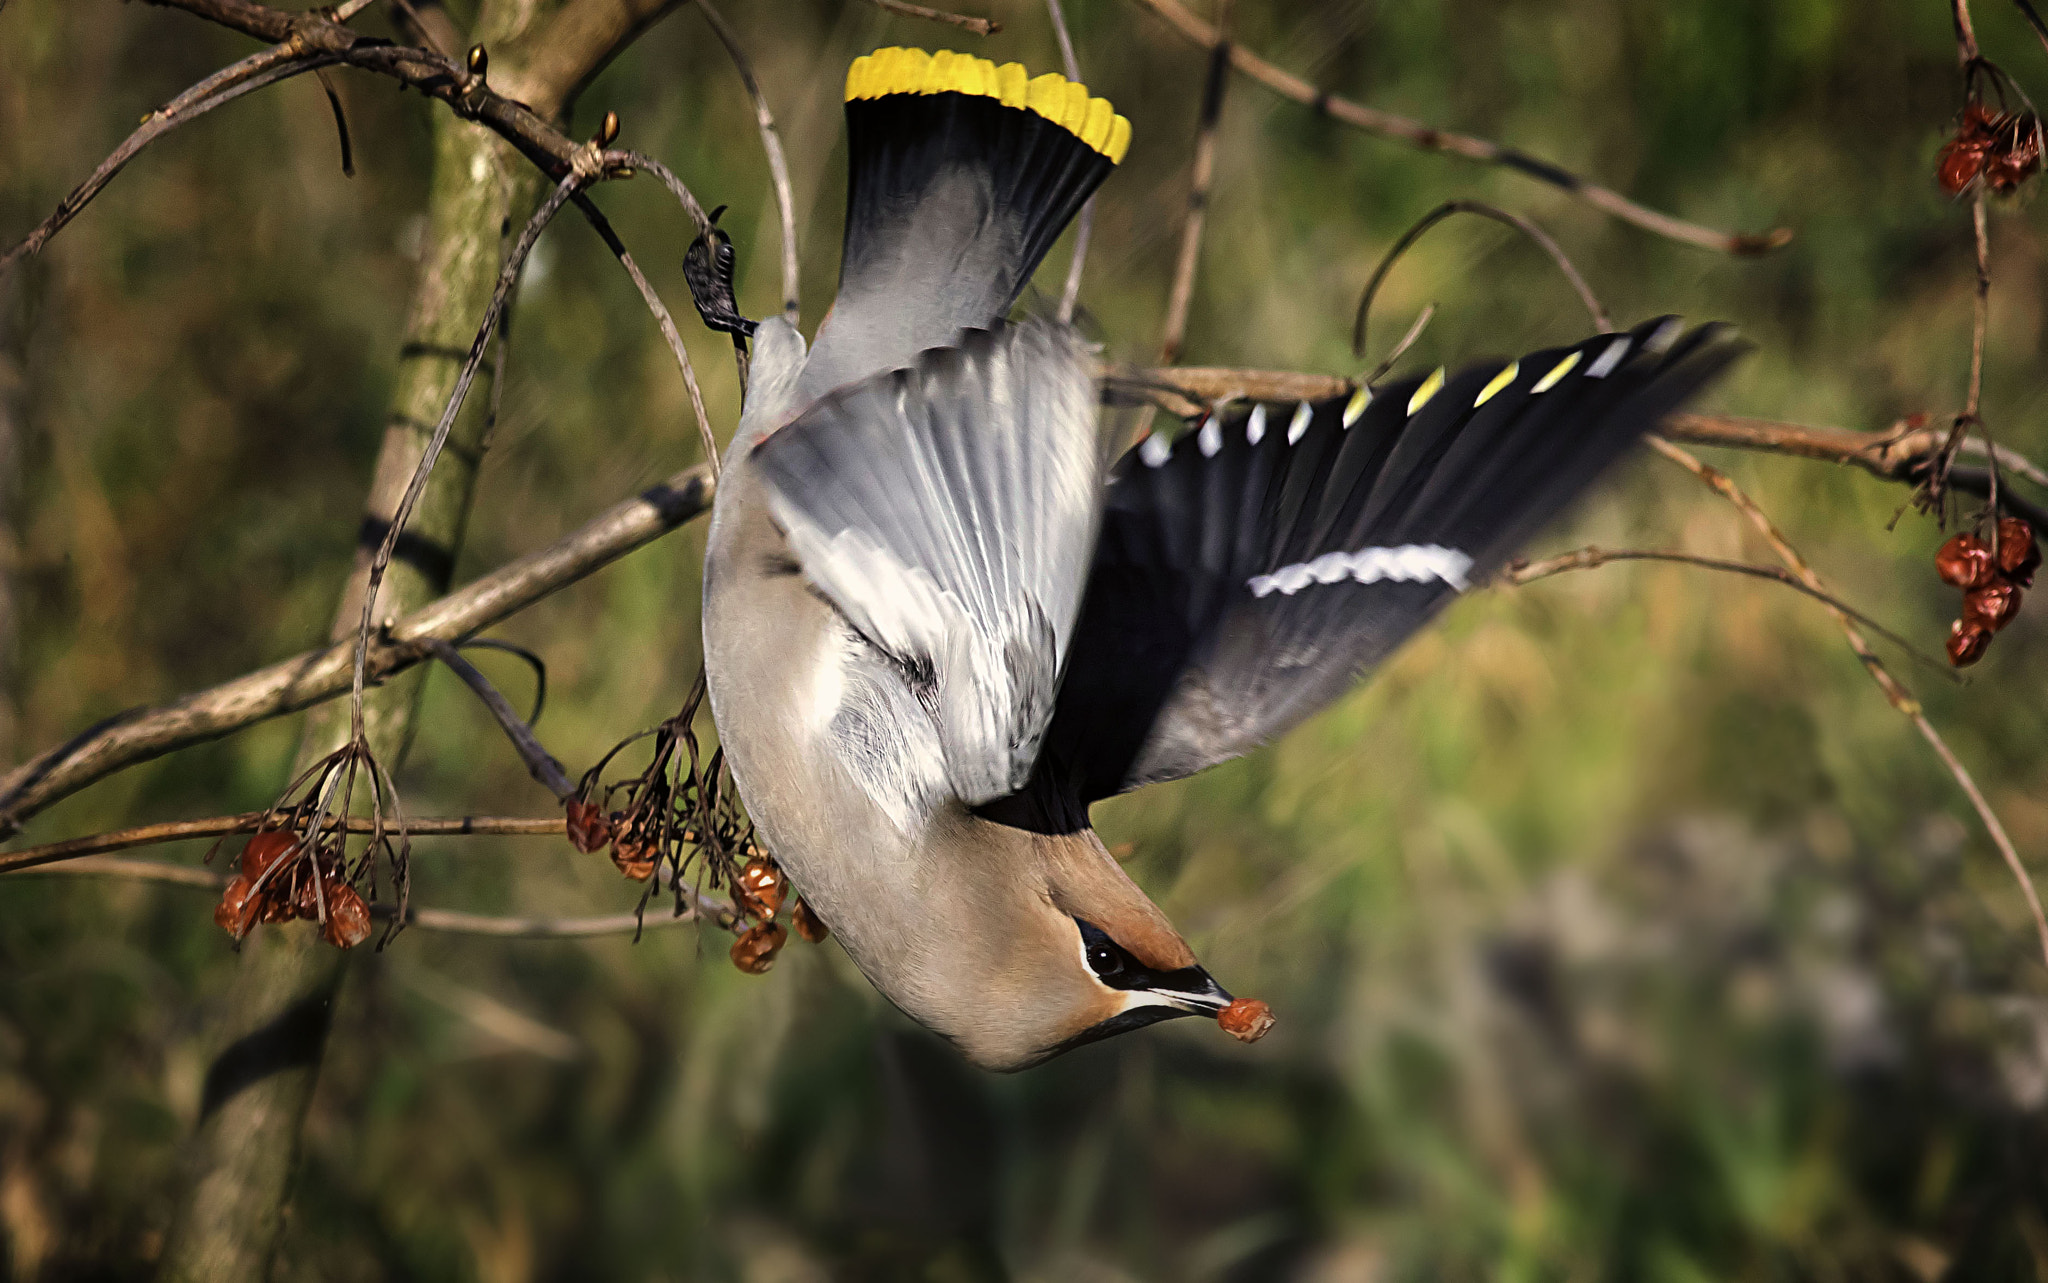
[447,920]
[1388,125]
[247,822]
[316,675]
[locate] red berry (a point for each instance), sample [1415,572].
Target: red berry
[1246,1019]
[758,889]
[1992,606]
[2018,553]
[589,829]
[754,952]
[264,850]
[1966,643]
[238,908]
[807,923]
[1964,562]
[348,918]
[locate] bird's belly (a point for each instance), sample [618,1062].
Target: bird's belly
[823,763]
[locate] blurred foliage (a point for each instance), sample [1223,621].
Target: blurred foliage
[1618,929]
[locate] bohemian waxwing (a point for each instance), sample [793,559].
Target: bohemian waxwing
[937,628]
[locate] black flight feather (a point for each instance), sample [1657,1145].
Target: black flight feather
[1216,616]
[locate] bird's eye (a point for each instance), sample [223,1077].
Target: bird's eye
[1105,960]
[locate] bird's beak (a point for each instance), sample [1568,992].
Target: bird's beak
[1193,990]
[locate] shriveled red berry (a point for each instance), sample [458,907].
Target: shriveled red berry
[264,850]
[1246,1019]
[1965,562]
[1959,163]
[754,952]
[2019,554]
[635,858]
[239,908]
[348,918]
[1966,643]
[807,922]
[759,889]
[589,828]
[1993,606]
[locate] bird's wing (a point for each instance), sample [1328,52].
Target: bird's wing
[948,510]
[1248,573]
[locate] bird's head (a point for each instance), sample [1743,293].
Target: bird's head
[1072,952]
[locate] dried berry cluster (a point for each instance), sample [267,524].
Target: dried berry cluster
[2001,148]
[1991,579]
[681,810]
[281,880]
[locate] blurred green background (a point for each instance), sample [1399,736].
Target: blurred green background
[1618,929]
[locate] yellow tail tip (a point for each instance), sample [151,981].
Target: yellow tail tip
[1064,102]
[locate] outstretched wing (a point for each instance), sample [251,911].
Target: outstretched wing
[947,510]
[1249,572]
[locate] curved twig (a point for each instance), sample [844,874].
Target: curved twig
[662,318]
[1439,214]
[540,763]
[1589,557]
[533,662]
[224,86]
[771,143]
[1417,134]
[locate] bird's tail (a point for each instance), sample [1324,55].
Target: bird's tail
[962,174]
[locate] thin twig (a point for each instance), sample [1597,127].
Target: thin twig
[1400,349]
[317,675]
[664,320]
[1084,226]
[540,763]
[979,26]
[348,153]
[226,825]
[1980,320]
[1182,294]
[1429,138]
[1966,34]
[508,276]
[448,920]
[1529,229]
[1588,558]
[771,143]
[2034,20]
[224,86]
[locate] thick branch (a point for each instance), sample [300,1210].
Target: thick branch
[448,920]
[224,825]
[318,675]
[1417,134]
